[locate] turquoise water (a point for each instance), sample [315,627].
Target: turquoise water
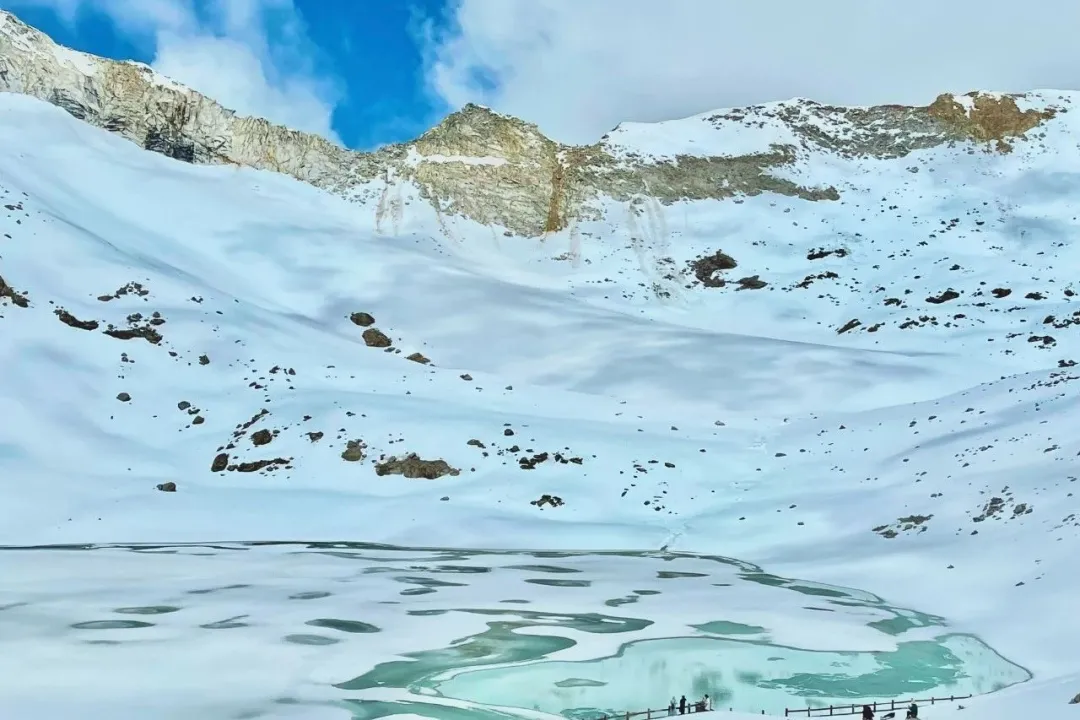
[740,674]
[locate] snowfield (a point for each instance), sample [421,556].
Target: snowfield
[892,415]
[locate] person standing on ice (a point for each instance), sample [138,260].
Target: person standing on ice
[671,706]
[913,711]
[867,713]
[682,705]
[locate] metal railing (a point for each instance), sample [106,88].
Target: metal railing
[691,707]
[832,710]
[878,707]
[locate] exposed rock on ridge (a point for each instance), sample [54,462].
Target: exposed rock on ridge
[492,168]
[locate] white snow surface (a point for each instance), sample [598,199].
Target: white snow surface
[707,421]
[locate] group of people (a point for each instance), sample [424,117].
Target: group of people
[912,713]
[705,703]
[684,707]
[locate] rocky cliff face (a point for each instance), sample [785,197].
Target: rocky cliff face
[493,168]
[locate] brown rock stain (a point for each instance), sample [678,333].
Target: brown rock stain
[992,118]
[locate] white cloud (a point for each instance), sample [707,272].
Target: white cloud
[579,67]
[252,56]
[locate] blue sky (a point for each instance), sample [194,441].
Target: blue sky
[369,49]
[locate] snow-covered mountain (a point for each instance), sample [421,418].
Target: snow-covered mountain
[835,342]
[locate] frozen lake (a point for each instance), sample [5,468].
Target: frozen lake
[344,630]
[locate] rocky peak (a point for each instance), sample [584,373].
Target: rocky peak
[478,132]
[497,169]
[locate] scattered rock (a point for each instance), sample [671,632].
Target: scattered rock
[904,524]
[132,288]
[418,358]
[315,436]
[1075,700]
[374,337]
[72,321]
[1001,292]
[467,377]
[261,437]
[547,500]
[204,360]
[167,486]
[123,397]
[145,332]
[183,405]
[17,298]
[221,461]
[754,282]
[946,296]
[849,325]
[354,450]
[256,465]
[530,463]
[823,253]
[707,268]
[412,467]
[362,319]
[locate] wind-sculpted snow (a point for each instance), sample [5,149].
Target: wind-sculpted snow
[872,386]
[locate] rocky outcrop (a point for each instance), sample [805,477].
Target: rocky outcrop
[10,294]
[412,467]
[493,168]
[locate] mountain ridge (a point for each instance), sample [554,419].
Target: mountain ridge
[499,170]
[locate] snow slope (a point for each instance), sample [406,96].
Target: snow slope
[689,418]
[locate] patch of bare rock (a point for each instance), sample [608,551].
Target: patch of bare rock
[708,269]
[412,467]
[820,253]
[943,297]
[545,500]
[353,452]
[9,293]
[71,321]
[849,325]
[138,327]
[753,282]
[221,463]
